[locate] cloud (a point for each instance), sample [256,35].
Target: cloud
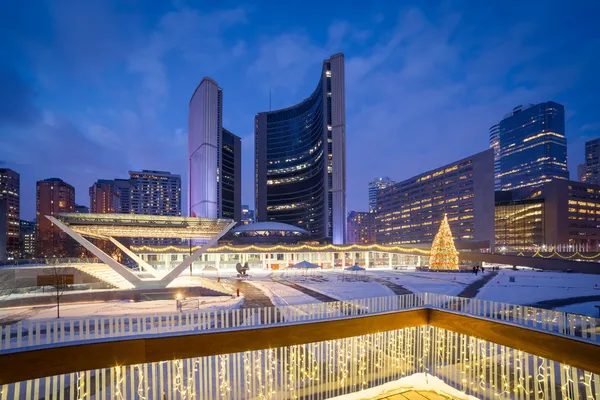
[194,34]
[16,98]
[285,61]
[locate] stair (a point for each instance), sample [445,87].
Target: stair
[106,274]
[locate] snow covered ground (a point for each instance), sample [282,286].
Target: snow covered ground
[282,295]
[587,308]
[416,382]
[124,308]
[531,287]
[332,285]
[432,282]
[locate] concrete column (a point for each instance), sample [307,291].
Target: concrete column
[343,260]
[390,255]
[217,261]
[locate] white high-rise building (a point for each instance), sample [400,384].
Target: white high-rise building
[375,186]
[214,157]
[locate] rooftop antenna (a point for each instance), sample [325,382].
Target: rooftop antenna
[270,100]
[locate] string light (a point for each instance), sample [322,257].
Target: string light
[224,387]
[554,254]
[474,366]
[81,394]
[284,248]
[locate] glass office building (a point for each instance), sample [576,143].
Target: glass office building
[375,186]
[301,159]
[519,224]
[531,146]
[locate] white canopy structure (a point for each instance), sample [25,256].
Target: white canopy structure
[109,226]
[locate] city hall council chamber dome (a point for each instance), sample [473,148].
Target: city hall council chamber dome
[268,232]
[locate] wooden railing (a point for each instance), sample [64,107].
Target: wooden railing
[482,356]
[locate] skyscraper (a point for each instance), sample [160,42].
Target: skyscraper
[495,145]
[231,172]
[10,192]
[360,227]
[591,167]
[247,215]
[155,193]
[532,146]
[214,157]
[375,186]
[582,175]
[27,239]
[123,186]
[53,196]
[105,197]
[300,159]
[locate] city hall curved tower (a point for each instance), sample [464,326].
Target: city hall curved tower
[300,159]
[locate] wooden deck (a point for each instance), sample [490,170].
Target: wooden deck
[414,395]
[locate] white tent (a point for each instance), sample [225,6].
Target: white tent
[355,268]
[351,273]
[304,265]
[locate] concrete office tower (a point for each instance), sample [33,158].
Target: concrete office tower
[105,198]
[360,227]
[53,196]
[532,146]
[590,171]
[300,159]
[155,193]
[375,186]
[411,211]
[214,157]
[10,191]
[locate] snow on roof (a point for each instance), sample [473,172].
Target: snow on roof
[269,226]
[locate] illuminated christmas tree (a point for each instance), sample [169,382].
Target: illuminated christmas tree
[443,253]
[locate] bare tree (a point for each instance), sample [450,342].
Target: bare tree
[7,283]
[59,283]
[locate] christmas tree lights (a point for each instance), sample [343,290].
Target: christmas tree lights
[444,255]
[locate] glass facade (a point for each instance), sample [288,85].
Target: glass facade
[532,146]
[375,186]
[295,157]
[297,166]
[230,176]
[495,145]
[591,169]
[519,224]
[10,190]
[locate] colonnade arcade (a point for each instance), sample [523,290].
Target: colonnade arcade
[282,260]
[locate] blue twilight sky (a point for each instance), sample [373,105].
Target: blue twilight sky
[91,89]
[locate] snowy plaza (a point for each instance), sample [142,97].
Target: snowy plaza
[279,321]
